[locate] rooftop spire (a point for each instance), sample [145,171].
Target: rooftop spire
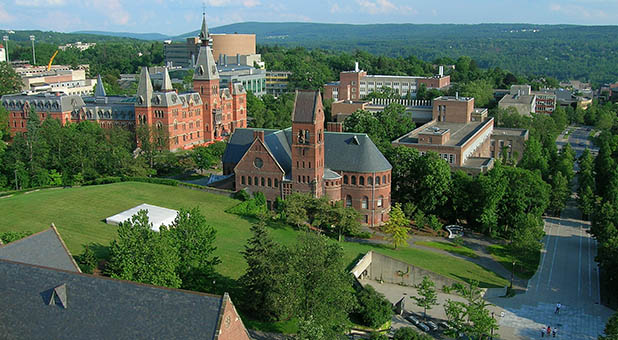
[100,90]
[144,88]
[205,67]
[204,36]
[167,82]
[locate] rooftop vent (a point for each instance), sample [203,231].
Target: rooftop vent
[58,296]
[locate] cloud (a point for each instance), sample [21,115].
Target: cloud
[112,9]
[4,15]
[40,3]
[335,8]
[577,11]
[383,6]
[218,3]
[251,3]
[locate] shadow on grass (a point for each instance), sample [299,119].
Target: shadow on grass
[524,267]
[449,247]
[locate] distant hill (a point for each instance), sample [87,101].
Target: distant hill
[62,38]
[141,36]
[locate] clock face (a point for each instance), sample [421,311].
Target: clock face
[258,162]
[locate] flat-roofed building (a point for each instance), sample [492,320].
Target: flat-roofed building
[277,82]
[508,144]
[521,98]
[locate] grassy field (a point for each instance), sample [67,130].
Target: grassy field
[78,213]
[524,268]
[449,247]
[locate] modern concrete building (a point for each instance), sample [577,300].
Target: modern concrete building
[419,110]
[253,79]
[354,85]
[77,45]
[2,53]
[521,98]
[508,144]
[342,166]
[277,82]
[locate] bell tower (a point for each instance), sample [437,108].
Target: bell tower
[206,83]
[308,143]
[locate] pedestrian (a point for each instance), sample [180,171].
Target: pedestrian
[558,305]
[548,330]
[543,332]
[554,332]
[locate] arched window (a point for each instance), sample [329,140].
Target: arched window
[353,180]
[276,183]
[345,179]
[270,182]
[365,202]
[384,179]
[361,180]
[370,180]
[262,182]
[159,126]
[255,181]
[348,201]
[377,180]
[249,179]
[175,125]
[242,180]
[380,199]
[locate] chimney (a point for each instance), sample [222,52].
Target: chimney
[334,126]
[259,134]
[356,67]
[441,72]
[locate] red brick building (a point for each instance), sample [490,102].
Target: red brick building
[342,166]
[209,113]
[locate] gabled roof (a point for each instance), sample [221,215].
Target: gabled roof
[305,106]
[353,152]
[44,248]
[144,88]
[48,303]
[167,82]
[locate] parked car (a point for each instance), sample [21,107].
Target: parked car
[454,231]
[444,325]
[413,319]
[432,325]
[423,327]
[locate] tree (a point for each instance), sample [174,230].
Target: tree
[611,329]
[471,317]
[142,255]
[397,226]
[559,194]
[322,287]
[407,333]
[310,329]
[202,157]
[10,82]
[427,296]
[87,260]
[194,241]
[262,282]
[296,209]
[374,309]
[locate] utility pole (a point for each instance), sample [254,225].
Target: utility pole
[33,54]
[6,43]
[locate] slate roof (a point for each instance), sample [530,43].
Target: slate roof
[46,303]
[100,90]
[205,67]
[45,248]
[353,152]
[305,105]
[42,102]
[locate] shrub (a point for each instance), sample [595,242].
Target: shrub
[254,207]
[87,260]
[242,195]
[10,236]
[378,336]
[419,219]
[407,333]
[434,222]
[374,309]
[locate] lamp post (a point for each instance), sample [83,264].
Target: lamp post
[492,326]
[512,274]
[6,43]
[33,54]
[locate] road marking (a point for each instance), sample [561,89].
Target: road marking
[540,271]
[579,266]
[553,258]
[589,269]
[598,276]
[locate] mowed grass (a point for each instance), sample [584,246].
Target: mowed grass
[449,247]
[524,267]
[79,215]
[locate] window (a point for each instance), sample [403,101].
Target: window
[276,183]
[255,181]
[242,180]
[262,182]
[348,201]
[377,180]
[365,202]
[370,180]
[353,180]
[451,158]
[249,179]
[384,178]
[380,199]
[345,179]
[270,183]
[361,180]
[366,219]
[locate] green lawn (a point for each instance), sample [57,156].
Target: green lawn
[449,247]
[524,268]
[78,213]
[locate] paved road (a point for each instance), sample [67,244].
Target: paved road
[567,275]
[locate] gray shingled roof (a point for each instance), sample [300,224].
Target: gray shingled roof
[100,90]
[92,307]
[45,248]
[354,152]
[304,106]
[205,67]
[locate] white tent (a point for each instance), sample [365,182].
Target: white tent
[158,216]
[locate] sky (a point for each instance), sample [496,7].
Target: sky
[174,17]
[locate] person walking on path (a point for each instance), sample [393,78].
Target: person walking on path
[543,332]
[548,331]
[554,332]
[558,306]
